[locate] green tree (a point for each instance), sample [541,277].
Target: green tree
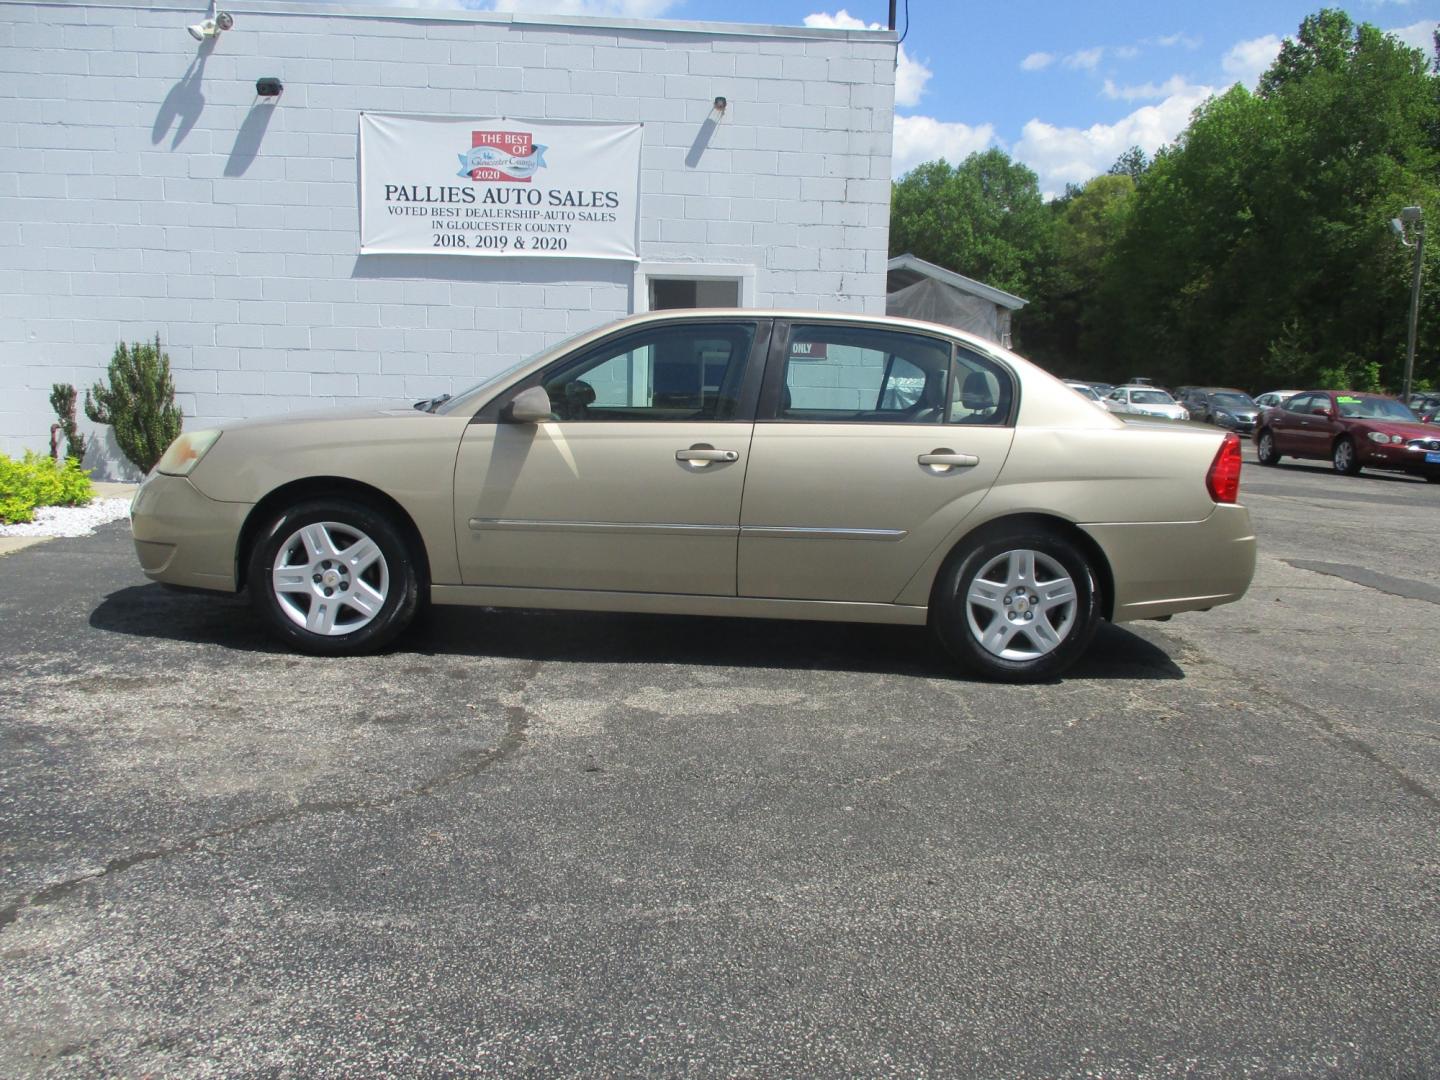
[1258,246]
[1088,226]
[984,218]
[139,402]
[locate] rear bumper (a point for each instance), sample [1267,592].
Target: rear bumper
[1168,567]
[183,537]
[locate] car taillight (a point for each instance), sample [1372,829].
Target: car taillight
[1223,479]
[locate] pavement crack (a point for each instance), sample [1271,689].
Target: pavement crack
[1353,743]
[472,763]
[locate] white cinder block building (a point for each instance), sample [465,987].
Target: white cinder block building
[146,186]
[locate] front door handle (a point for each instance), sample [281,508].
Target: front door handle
[706,454]
[945,459]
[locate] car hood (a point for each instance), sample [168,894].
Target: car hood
[1403,428]
[348,412]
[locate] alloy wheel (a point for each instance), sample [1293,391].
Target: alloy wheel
[1021,605]
[330,578]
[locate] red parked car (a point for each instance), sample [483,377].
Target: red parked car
[1353,430]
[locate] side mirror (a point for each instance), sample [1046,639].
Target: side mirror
[528,407]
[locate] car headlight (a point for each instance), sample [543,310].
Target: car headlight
[1382,438]
[1221,414]
[185,452]
[1184,414]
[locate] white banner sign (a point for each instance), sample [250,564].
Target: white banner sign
[446,186]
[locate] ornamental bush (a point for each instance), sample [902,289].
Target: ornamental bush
[38,481]
[139,403]
[62,400]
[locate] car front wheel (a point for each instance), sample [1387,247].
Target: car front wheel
[1265,449]
[1345,459]
[334,578]
[1019,608]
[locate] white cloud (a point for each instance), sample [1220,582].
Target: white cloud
[1169,41]
[1068,155]
[1149,91]
[911,75]
[1085,59]
[1037,61]
[923,138]
[1248,60]
[1417,35]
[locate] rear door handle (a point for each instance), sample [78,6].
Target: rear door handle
[705,453]
[948,458]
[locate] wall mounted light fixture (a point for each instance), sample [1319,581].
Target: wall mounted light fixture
[268,88]
[212,24]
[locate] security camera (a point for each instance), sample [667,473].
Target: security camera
[212,26]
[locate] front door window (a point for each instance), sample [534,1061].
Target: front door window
[670,374]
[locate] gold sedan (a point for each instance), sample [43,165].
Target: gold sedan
[762,464]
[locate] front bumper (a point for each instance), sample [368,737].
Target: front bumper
[183,537]
[1162,568]
[1400,458]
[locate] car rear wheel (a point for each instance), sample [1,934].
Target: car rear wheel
[1265,449]
[1345,459]
[1017,608]
[334,578]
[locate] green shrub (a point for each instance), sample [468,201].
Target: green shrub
[37,481]
[139,403]
[62,400]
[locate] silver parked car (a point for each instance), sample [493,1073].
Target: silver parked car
[764,464]
[1144,400]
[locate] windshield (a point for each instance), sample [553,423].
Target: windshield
[1356,407]
[1233,401]
[1150,397]
[465,396]
[1085,391]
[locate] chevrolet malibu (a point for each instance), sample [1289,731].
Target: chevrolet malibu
[760,464]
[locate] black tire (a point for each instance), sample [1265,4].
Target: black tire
[391,577]
[1265,448]
[1344,457]
[961,630]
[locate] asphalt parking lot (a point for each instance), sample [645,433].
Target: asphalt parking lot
[552,844]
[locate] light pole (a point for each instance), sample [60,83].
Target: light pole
[1415,217]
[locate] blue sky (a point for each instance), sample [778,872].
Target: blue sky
[1065,86]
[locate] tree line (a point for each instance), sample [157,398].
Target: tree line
[1254,251]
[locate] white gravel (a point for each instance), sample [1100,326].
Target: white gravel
[70,520]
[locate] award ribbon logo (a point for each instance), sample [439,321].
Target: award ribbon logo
[510,156]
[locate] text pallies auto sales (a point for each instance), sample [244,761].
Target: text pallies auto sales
[427,194]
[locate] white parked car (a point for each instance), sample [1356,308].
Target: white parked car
[1146,401]
[1273,399]
[1086,391]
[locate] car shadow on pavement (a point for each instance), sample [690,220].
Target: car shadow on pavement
[605,638]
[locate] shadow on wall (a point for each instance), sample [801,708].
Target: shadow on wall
[185,101]
[494,270]
[249,137]
[701,143]
[105,460]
